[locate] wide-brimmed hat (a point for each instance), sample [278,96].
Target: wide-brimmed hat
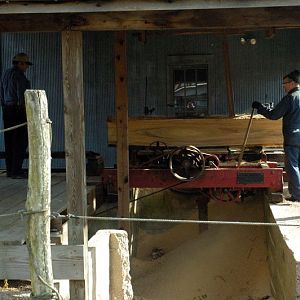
[22,57]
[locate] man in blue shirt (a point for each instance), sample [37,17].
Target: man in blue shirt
[12,88]
[289,110]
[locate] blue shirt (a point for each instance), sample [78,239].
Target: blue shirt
[289,110]
[12,88]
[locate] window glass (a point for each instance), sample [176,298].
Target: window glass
[190,91]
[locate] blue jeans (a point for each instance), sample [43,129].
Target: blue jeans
[292,164]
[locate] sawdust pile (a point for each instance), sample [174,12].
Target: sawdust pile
[225,262]
[247,116]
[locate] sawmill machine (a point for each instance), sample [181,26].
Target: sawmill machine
[214,173]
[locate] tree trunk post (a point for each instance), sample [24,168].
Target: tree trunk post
[39,194]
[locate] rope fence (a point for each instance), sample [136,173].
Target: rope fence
[55,215]
[212,222]
[13,127]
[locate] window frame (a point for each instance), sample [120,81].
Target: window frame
[194,62]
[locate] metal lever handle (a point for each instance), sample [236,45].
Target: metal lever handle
[245,139]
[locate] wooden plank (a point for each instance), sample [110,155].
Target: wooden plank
[121,100]
[12,229]
[50,6]
[6,182]
[200,132]
[229,88]
[75,149]
[14,197]
[205,19]
[67,262]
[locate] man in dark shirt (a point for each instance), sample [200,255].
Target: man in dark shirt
[12,88]
[289,110]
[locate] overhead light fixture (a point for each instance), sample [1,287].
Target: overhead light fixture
[243,41]
[252,41]
[248,39]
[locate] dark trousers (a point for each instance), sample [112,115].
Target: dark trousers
[292,164]
[16,140]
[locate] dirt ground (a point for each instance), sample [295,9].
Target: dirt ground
[16,289]
[225,262]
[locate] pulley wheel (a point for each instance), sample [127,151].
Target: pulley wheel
[187,163]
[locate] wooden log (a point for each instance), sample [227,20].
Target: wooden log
[67,262]
[75,148]
[39,191]
[121,99]
[212,132]
[205,19]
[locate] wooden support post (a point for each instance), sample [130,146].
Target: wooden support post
[75,148]
[121,99]
[39,193]
[230,101]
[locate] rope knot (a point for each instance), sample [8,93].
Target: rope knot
[22,213]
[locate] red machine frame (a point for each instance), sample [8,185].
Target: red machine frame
[269,177]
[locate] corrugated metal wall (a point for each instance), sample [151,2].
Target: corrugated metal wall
[257,70]
[46,73]
[256,74]
[99,92]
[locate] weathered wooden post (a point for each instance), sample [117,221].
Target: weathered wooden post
[72,62]
[39,194]
[121,102]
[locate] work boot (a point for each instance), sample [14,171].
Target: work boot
[292,199]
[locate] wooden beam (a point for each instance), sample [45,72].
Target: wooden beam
[67,262]
[200,132]
[255,18]
[51,6]
[121,100]
[229,89]
[75,148]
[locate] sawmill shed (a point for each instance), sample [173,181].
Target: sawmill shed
[255,70]
[111,67]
